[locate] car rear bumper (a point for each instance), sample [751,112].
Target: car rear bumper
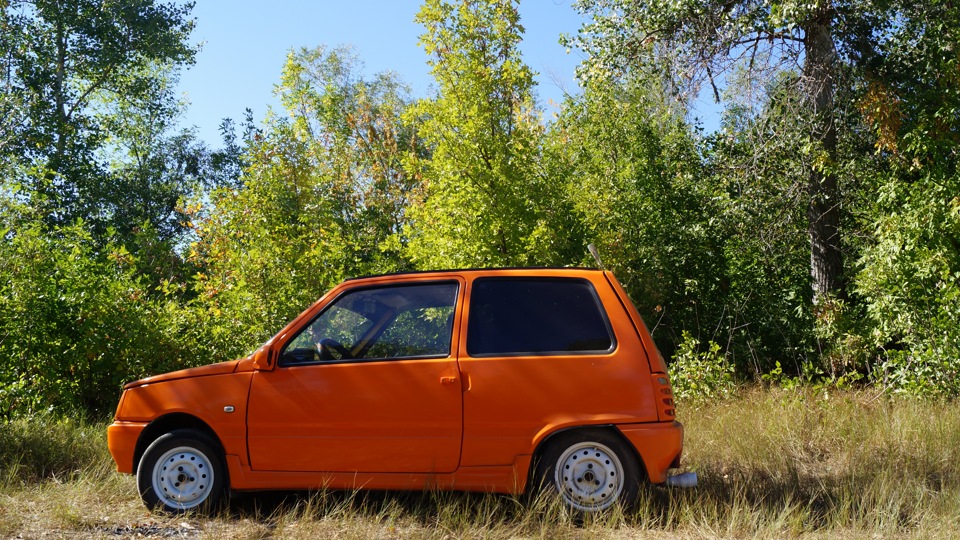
[122,441]
[659,445]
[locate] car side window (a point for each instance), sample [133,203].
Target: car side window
[536,316]
[399,321]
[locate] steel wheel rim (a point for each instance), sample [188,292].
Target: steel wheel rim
[183,477]
[589,476]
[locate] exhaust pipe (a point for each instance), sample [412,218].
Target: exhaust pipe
[685,480]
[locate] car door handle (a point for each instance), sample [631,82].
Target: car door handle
[448,380]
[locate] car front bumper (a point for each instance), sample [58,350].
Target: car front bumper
[122,440]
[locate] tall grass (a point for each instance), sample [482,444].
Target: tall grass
[772,464]
[793,462]
[45,448]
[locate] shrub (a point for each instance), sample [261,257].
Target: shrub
[76,322]
[697,375]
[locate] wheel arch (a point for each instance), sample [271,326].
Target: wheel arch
[166,424]
[553,436]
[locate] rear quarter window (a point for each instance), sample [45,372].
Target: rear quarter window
[536,316]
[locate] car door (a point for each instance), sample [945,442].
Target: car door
[370,385]
[541,353]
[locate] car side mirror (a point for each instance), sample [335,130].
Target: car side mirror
[262,359]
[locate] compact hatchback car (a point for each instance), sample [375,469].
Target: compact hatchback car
[486,380]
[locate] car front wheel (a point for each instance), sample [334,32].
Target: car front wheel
[590,470]
[181,470]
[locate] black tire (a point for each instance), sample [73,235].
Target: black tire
[180,471]
[590,470]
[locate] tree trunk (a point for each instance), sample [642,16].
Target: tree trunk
[49,199]
[823,213]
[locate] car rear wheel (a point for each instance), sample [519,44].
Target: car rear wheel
[180,471]
[590,470]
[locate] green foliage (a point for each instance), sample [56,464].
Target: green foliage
[756,165]
[772,182]
[632,175]
[149,166]
[63,60]
[695,42]
[486,200]
[77,323]
[129,249]
[759,221]
[810,376]
[90,92]
[698,376]
[909,273]
[324,197]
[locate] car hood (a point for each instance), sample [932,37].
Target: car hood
[202,371]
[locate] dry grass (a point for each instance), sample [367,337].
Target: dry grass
[788,463]
[772,464]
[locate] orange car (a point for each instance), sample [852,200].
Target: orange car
[487,380]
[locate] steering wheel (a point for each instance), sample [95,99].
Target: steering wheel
[329,343]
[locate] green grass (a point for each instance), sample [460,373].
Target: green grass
[772,464]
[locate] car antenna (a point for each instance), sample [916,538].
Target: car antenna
[596,255]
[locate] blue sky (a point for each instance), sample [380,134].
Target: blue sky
[246,42]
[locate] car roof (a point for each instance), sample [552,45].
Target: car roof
[515,270]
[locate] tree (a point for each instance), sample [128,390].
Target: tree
[755,167]
[77,322]
[909,272]
[693,41]
[635,184]
[858,97]
[62,58]
[11,105]
[323,197]
[150,169]
[487,200]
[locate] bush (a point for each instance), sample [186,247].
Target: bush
[699,375]
[933,372]
[76,322]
